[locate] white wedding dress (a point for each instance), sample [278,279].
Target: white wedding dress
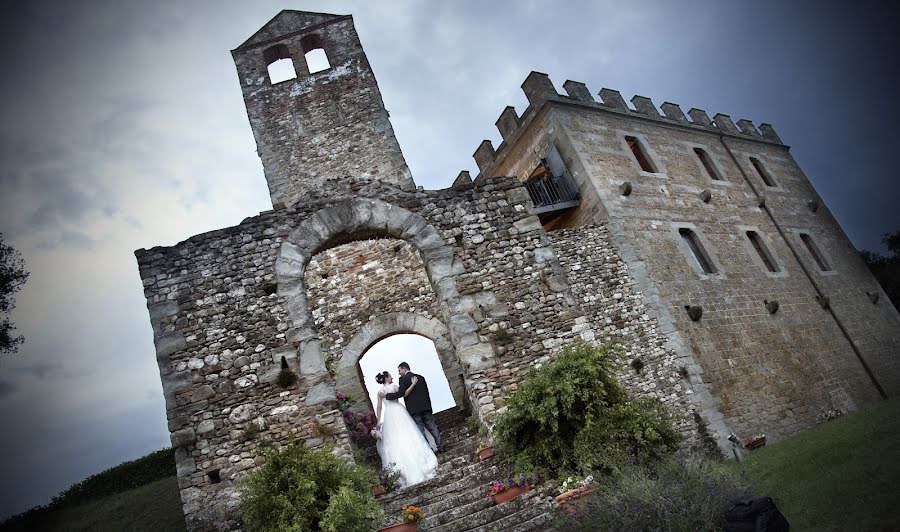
[402,443]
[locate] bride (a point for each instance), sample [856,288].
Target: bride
[402,444]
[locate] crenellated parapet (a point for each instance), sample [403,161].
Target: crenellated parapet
[539,90]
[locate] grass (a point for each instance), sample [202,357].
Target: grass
[153,507]
[842,475]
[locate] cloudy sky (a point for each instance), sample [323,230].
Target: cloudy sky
[123,127]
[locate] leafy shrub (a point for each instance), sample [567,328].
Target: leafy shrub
[350,511]
[572,416]
[671,495]
[294,489]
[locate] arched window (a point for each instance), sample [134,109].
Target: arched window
[314,51]
[279,63]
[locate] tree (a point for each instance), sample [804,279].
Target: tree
[887,268]
[12,276]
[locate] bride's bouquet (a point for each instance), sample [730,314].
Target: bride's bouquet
[376,433]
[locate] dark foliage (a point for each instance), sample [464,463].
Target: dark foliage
[12,276]
[669,495]
[121,478]
[887,268]
[572,416]
[303,489]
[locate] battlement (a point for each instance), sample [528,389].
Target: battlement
[539,90]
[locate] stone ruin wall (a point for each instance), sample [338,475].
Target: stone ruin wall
[221,324]
[766,373]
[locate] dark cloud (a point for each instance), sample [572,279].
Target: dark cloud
[42,370]
[7,388]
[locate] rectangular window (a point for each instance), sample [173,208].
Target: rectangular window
[814,251]
[763,173]
[640,154]
[762,251]
[711,170]
[693,243]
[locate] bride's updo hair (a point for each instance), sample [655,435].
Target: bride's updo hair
[381,377]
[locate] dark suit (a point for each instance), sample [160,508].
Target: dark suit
[418,404]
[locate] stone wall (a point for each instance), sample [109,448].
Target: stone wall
[320,126]
[615,313]
[228,305]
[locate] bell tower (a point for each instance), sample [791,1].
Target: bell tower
[314,106]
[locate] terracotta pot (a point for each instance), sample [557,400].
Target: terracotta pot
[485,453]
[571,501]
[377,489]
[402,527]
[509,494]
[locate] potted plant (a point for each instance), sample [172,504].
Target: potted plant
[485,450]
[411,517]
[571,491]
[506,490]
[388,480]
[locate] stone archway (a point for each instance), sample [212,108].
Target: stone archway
[361,219]
[380,327]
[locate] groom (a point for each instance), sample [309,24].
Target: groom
[418,403]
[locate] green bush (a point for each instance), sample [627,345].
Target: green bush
[572,416]
[294,489]
[670,495]
[351,511]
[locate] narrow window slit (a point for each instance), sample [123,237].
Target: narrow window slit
[708,165]
[814,251]
[693,243]
[763,173]
[762,251]
[640,155]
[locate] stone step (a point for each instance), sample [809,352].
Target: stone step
[448,474]
[452,493]
[532,514]
[496,516]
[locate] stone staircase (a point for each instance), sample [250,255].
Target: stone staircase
[454,500]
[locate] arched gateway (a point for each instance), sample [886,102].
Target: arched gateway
[454,334]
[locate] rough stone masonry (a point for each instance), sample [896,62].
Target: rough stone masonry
[698,245]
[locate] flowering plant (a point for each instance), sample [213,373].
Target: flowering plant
[412,514]
[482,445]
[573,483]
[344,400]
[499,486]
[360,425]
[389,478]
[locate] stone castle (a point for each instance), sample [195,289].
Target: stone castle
[696,243]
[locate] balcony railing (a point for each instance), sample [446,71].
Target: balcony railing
[551,193]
